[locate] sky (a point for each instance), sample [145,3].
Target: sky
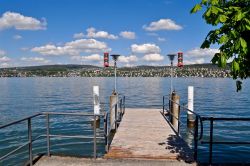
[143,32]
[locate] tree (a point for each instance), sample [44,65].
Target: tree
[232,33]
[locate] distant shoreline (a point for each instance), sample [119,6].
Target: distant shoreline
[199,70]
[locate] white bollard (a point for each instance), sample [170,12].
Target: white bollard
[96,100]
[97,108]
[190,119]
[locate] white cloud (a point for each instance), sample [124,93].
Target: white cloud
[2,53]
[198,52]
[93,57]
[92,33]
[153,57]
[78,35]
[199,56]
[4,65]
[4,59]
[51,49]
[20,22]
[35,59]
[162,24]
[161,39]
[73,48]
[196,61]
[17,37]
[127,35]
[128,59]
[145,48]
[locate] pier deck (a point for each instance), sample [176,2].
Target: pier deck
[145,134]
[144,138]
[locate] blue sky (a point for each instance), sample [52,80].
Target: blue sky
[44,32]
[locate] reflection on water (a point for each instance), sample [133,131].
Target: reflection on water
[20,97]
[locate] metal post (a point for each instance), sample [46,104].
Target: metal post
[171,58]
[30,142]
[116,116]
[94,137]
[120,110]
[196,139]
[163,106]
[48,133]
[123,104]
[115,58]
[105,130]
[179,108]
[115,76]
[171,81]
[211,141]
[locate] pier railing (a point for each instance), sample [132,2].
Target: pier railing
[48,134]
[197,131]
[212,139]
[113,117]
[118,107]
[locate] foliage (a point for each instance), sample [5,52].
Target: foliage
[232,20]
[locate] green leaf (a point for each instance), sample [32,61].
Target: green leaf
[237,45]
[196,8]
[214,2]
[214,10]
[233,33]
[204,2]
[207,13]
[235,67]
[223,39]
[215,58]
[222,62]
[248,27]
[243,43]
[238,85]
[222,18]
[205,44]
[238,16]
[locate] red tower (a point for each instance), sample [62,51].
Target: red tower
[106,59]
[180,59]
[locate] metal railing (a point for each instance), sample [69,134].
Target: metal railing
[48,135]
[118,109]
[211,141]
[199,128]
[198,125]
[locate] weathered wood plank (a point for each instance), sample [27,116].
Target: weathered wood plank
[144,133]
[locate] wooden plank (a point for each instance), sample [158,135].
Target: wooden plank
[145,134]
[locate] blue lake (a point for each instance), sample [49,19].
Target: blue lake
[21,97]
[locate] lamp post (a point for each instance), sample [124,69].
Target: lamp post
[115,58]
[171,58]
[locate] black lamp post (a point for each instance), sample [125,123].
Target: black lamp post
[171,58]
[115,58]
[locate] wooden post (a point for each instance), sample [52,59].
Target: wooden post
[175,110]
[190,118]
[113,111]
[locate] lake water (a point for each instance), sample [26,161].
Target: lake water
[21,97]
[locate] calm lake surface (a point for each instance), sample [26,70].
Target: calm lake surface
[21,97]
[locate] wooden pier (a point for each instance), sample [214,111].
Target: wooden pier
[143,138]
[145,134]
